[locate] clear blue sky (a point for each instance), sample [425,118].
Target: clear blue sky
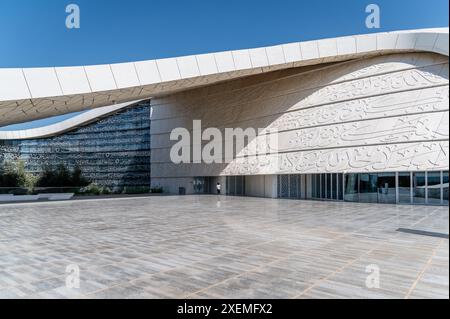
[33,32]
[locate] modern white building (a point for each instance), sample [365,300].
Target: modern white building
[357,118]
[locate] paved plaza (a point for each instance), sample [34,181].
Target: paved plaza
[222,247]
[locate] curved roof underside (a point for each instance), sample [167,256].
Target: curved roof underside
[35,93]
[66,125]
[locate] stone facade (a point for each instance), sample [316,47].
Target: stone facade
[382,114]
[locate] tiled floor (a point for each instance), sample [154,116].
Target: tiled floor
[211,247]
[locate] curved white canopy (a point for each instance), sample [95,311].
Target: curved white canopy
[64,126]
[34,93]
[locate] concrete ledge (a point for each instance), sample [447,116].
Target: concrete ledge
[56,196]
[18,198]
[29,198]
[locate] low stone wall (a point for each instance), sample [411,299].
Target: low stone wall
[29,198]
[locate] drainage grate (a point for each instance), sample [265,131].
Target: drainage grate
[422,232]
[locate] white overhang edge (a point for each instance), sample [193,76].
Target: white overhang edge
[159,77]
[35,83]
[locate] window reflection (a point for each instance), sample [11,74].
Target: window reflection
[368,188]
[340,187]
[434,187]
[445,187]
[323,184]
[293,186]
[409,188]
[235,185]
[419,188]
[351,187]
[334,187]
[386,188]
[404,188]
[329,187]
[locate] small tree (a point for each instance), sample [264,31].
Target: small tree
[61,177]
[77,178]
[25,179]
[8,178]
[12,174]
[47,178]
[19,170]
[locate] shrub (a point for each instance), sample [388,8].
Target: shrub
[12,174]
[61,177]
[106,191]
[78,179]
[91,189]
[156,190]
[48,178]
[9,179]
[136,190]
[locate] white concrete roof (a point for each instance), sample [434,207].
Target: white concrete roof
[33,93]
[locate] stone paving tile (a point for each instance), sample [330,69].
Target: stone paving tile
[426,290]
[126,291]
[257,285]
[338,290]
[170,285]
[227,247]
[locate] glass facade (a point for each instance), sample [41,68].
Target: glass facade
[351,192]
[368,190]
[426,188]
[290,186]
[445,187]
[404,188]
[235,185]
[202,185]
[371,188]
[325,186]
[419,188]
[113,152]
[434,187]
[311,186]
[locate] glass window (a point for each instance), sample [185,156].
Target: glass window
[419,184]
[293,186]
[201,185]
[445,187]
[368,191]
[313,186]
[340,187]
[301,186]
[302,189]
[404,188]
[323,186]
[434,187]
[240,185]
[316,186]
[386,188]
[334,186]
[351,188]
[231,185]
[329,187]
[284,186]
[278,186]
